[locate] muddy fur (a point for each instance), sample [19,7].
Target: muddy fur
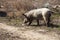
[38,14]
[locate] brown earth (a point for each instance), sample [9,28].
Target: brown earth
[26,33]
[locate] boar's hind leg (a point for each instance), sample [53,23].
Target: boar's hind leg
[48,20]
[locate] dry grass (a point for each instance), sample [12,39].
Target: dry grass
[23,6]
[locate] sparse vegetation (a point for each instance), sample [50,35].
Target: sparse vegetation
[15,31]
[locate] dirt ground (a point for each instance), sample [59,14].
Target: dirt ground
[26,33]
[14,30]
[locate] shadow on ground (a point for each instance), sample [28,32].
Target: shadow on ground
[51,25]
[54,25]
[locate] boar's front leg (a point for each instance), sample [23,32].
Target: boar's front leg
[37,21]
[25,22]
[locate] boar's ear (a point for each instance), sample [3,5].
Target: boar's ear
[24,15]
